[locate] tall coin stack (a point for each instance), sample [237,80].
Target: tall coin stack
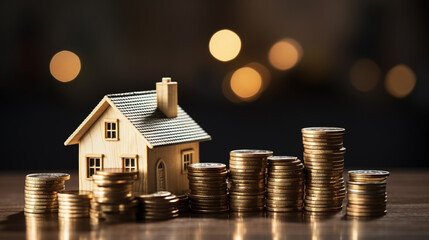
[41,191]
[74,204]
[247,179]
[208,189]
[366,193]
[323,164]
[157,206]
[285,184]
[113,198]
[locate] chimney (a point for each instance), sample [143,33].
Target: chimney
[166,97]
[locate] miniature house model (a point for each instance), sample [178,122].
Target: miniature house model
[145,131]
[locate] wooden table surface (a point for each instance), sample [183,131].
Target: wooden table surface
[407,218]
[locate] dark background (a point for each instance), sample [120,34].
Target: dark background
[129,45]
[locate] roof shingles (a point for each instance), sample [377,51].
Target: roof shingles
[140,108]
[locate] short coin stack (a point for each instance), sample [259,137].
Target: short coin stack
[247,179]
[208,189]
[366,193]
[74,204]
[113,198]
[41,191]
[183,203]
[157,206]
[285,184]
[324,165]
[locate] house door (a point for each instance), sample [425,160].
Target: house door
[161,176]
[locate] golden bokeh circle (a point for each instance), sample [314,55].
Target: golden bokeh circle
[400,81]
[246,83]
[65,66]
[225,45]
[285,54]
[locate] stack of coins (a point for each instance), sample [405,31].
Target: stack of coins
[247,179]
[113,198]
[285,184]
[366,193]
[324,164]
[207,184]
[41,191]
[157,206]
[183,203]
[74,204]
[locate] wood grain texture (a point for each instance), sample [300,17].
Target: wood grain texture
[407,218]
[177,182]
[130,142]
[166,92]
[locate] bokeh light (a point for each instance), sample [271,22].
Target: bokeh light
[364,75]
[400,81]
[65,66]
[246,83]
[285,54]
[225,45]
[263,71]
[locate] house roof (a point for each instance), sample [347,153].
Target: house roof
[140,108]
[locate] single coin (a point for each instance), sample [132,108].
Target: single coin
[33,210]
[248,159]
[324,148]
[322,139]
[160,194]
[340,151]
[48,176]
[251,153]
[208,174]
[323,130]
[282,159]
[116,172]
[311,142]
[42,185]
[369,173]
[81,194]
[217,166]
[319,209]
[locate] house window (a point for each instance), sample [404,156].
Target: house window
[111,129]
[129,162]
[187,158]
[94,163]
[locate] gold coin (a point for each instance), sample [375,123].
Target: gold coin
[369,173]
[251,153]
[282,158]
[209,179]
[284,209]
[210,174]
[318,142]
[75,194]
[337,155]
[47,176]
[43,186]
[325,131]
[207,166]
[40,196]
[116,172]
[317,139]
[73,215]
[33,210]
[324,147]
[250,160]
